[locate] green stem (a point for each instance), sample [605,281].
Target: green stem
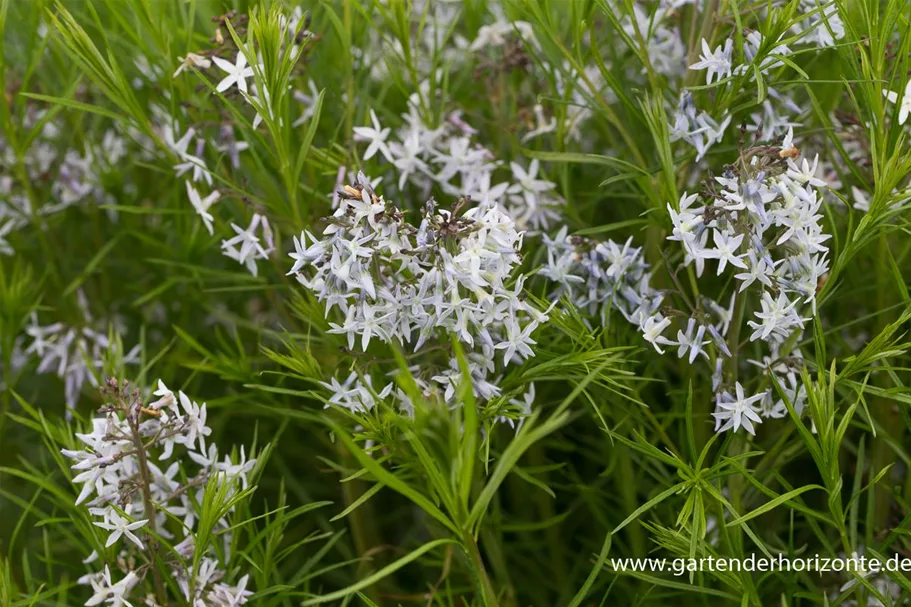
[734,336]
[145,488]
[361,530]
[739,444]
[886,417]
[488,594]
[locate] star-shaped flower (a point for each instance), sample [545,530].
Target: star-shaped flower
[202,205]
[904,109]
[238,72]
[376,135]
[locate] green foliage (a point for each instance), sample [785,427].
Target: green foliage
[451,507]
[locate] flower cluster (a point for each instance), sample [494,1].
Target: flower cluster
[822,26]
[76,175]
[146,467]
[760,56]
[447,156]
[454,273]
[600,276]
[664,42]
[719,64]
[246,247]
[698,129]
[760,224]
[448,152]
[74,354]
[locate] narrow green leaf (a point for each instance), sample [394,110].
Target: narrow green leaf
[772,504]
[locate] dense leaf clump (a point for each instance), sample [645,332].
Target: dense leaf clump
[479,303]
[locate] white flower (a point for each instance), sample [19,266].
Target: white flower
[717,63]
[737,411]
[407,157]
[351,327]
[354,394]
[777,315]
[73,354]
[376,135]
[192,60]
[370,325]
[517,342]
[788,142]
[526,182]
[524,405]
[905,109]
[309,101]
[251,249]
[230,596]
[304,255]
[238,72]
[805,173]
[543,126]
[533,200]
[725,251]
[693,343]
[201,205]
[759,269]
[261,102]
[700,130]
[108,592]
[194,423]
[206,573]
[206,459]
[188,161]
[238,470]
[652,328]
[166,399]
[5,229]
[120,526]
[861,199]
[498,33]
[458,157]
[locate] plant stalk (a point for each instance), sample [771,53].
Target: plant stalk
[488,594]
